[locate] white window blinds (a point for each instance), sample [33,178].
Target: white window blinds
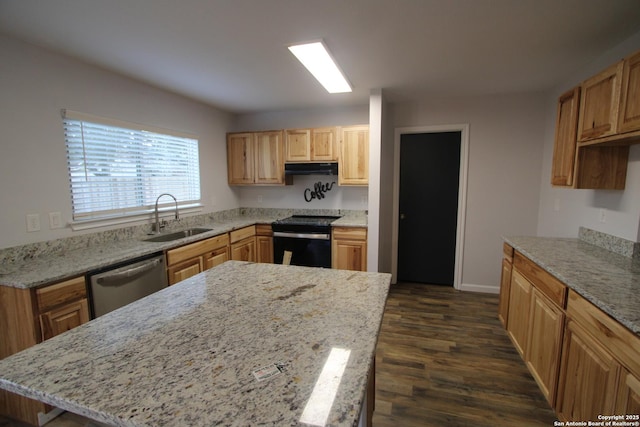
[118,171]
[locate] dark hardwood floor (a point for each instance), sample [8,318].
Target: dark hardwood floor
[444,359]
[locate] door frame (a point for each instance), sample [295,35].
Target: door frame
[462,193]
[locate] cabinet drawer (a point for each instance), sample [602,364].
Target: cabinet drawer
[551,287]
[264,230]
[349,233]
[620,341]
[183,253]
[60,293]
[243,233]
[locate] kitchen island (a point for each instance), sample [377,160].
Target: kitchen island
[240,344]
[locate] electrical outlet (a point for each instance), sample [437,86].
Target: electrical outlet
[33,222]
[55,220]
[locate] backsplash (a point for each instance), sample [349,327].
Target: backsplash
[611,243]
[58,246]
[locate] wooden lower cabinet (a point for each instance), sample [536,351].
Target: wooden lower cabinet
[184,270]
[59,320]
[349,248]
[585,362]
[519,305]
[628,399]
[215,257]
[546,327]
[588,377]
[264,243]
[243,244]
[244,250]
[194,258]
[30,316]
[505,284]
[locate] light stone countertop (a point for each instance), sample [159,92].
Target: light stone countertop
[608,280]
[100,254]
[184,356]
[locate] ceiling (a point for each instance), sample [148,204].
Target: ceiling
[233,53]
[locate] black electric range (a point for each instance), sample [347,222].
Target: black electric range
[304,239]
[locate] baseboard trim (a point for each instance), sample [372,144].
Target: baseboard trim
[484,289]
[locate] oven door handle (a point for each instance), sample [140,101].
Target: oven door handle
[314,236]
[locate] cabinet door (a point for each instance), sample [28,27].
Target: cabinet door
[244,250]
[184,270]
[269,163]
[519,304]
[628,399]
[349,255]
[564,150]
[354,156]
[214,258]
[588,376]
[240,158]
[505,286]
[546,324]
[629,118]
[600,103]
[298,145]
[265,249]
[59,320]
[323,144]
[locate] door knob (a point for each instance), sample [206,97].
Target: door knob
[401,216]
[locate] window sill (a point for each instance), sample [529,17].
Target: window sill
[90,223]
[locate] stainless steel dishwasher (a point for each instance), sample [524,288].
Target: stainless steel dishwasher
[121,284]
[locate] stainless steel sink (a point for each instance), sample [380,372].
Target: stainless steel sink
[177,235]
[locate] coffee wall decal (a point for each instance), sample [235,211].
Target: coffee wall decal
[318,191]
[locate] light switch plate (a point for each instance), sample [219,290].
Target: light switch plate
[55,220]
[33,222]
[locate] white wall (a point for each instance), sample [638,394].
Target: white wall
[292,197]
[563,211]
[35,84]
[505,157]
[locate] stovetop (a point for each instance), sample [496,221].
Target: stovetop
[321,220]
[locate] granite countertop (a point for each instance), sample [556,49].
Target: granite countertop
[100,254]
[186,355]
[608,280]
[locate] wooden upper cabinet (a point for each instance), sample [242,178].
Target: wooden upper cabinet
[240,166]
[323,144]
[564,150]
[311,145]
[269,161]
[255,158]
[629,117]
[600,103]
[354,156]
[297,145]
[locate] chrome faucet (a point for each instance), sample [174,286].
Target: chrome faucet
[157,230]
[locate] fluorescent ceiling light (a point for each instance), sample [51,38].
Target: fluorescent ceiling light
[318,61]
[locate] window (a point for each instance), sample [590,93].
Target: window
[119,169]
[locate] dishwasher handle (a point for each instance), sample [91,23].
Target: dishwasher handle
[113,278]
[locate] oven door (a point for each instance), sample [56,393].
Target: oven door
[308,249]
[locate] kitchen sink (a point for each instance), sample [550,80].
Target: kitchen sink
[177,235]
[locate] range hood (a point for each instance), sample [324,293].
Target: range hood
[311,169]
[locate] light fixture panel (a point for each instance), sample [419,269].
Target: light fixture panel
[316,58]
